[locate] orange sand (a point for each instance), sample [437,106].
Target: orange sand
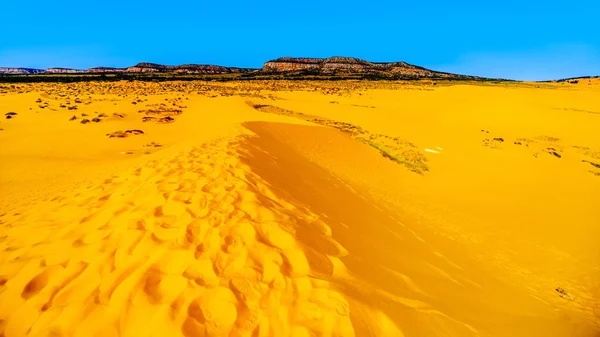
[233,221]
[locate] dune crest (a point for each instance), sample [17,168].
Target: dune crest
[185,240]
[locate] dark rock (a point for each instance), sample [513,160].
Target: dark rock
[499,139]
[85,121]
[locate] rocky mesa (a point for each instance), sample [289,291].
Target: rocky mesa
[64,71]
[349,65]
[106,70]
[20,71]
[285,66]
[146,67]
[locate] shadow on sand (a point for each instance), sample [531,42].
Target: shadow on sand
[422,284]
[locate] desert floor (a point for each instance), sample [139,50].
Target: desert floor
[300,209]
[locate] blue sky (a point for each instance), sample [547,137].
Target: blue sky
[528,40]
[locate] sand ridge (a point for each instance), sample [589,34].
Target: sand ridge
[183,241]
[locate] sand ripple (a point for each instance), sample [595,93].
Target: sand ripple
[181,246]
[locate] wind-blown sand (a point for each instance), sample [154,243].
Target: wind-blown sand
[300,209]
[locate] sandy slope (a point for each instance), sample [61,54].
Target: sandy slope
[234,227]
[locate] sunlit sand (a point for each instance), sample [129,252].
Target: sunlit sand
[300,209]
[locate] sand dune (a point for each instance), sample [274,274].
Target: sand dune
[288,209]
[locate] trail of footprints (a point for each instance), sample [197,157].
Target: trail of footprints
[182,246]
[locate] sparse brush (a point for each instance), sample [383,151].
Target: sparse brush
[591,163]
[418,167]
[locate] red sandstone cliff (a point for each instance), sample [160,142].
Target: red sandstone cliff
[285,66]
[64,71]
[349,65]
[145,67]
[106,70]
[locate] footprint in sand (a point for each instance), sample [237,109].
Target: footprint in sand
[185,233]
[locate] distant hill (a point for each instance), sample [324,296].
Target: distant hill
[184,68]
[64,71]
[571,79]
[350,65]
[284,67]
[20,71]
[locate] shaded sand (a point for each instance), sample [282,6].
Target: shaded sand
[213,224]
[423,283]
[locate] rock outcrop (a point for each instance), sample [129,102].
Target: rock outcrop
[64,71]
[106,70]
[350,65]
[20,71]
[287,66]
[145,67]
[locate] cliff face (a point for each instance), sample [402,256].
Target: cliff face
[346,65]
[64,71]
[106,70]
[285,64]
[207,69]
[145,67]
[20,71]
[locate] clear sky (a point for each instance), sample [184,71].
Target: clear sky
[518,39]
